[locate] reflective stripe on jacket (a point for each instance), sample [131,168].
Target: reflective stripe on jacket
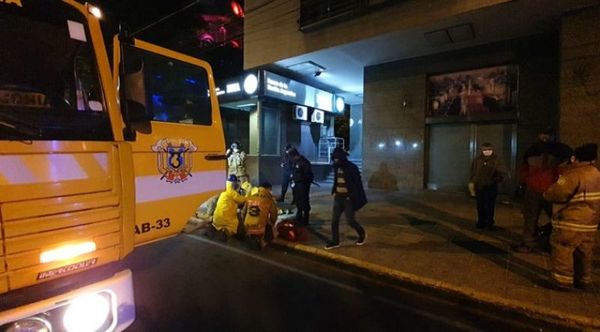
[259,210]
[577,195]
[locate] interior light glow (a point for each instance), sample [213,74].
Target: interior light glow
[95,11]
[381,145]
[246,105]
[67,252]
[415,145]
[398,142]
[86,313]
[339,104]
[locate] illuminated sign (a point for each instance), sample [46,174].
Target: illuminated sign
[233,87]
[283,88]
[339,104]
[254,84]
[250,84]
[279,87]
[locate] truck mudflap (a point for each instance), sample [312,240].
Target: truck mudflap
[107,305]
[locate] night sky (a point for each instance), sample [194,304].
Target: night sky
[206,29]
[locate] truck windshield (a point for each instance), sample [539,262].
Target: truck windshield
[49,84]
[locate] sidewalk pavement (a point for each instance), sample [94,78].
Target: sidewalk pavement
[429,238]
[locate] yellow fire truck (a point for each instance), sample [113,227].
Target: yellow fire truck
[96,156]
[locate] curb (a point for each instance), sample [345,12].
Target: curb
[528,308]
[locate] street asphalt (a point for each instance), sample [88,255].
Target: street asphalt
[190,283]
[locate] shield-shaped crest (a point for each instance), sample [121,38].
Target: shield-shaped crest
[174,159]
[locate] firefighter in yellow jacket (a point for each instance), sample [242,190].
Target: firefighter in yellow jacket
[225,217]
[576,195]
[260,215]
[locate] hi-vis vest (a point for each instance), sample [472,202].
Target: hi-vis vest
[577,192]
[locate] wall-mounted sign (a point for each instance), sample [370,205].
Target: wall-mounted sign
[475,94]
[283,88]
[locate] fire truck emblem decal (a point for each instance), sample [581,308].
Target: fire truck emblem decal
[174,159]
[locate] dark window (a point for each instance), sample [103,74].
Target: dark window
[175,91]
[49,82]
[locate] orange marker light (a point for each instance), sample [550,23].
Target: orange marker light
[67,252]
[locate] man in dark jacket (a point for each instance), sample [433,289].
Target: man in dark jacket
[538,171]
[302,178]
[349,197]
[487,171]
[287,168]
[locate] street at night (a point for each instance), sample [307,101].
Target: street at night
[299,165]
[189,283]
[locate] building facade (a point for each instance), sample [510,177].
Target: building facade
[266,111]
[429,81]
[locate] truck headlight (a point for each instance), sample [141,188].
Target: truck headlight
[31,324]
[87,313]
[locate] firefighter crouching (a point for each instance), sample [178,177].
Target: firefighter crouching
[225,218]
[576,195]
[260,215]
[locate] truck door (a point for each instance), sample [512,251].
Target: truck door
[173,153]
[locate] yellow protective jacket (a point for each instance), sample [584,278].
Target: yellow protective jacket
[577,194]
[259,210]
[225,217]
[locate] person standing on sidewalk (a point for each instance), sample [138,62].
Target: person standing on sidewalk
[538,171]
[236,162]
[302,178]
[575,221]
[487,171]
[287,167]
[348,197]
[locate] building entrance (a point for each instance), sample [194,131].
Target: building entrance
[452,148]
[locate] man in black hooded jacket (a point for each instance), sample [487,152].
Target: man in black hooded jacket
[349,197]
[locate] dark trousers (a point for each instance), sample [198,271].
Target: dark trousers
[285,182]
[486,204]
[343,205]
[533,206]
[301,195]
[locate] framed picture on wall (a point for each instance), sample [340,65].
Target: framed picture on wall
[477,93]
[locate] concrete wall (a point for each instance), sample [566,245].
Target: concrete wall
[271,31]
[386,85]
[580,77]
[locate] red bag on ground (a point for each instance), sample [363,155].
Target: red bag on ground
[288,230]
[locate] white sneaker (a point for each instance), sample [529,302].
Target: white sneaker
[362,240]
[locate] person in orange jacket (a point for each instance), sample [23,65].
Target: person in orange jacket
[260,215]
[576,195]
